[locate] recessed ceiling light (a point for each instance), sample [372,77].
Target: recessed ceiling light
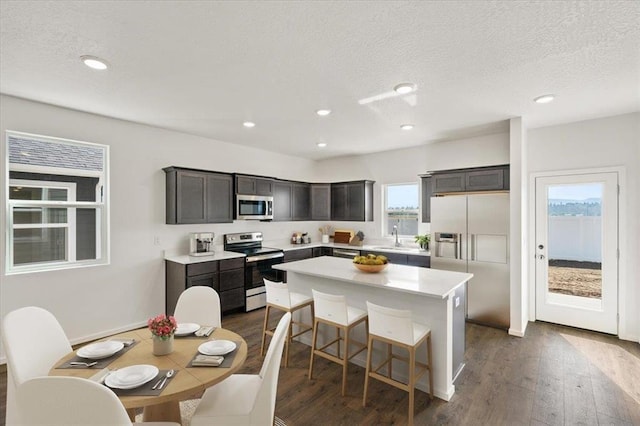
[321,144]
[544,99]
[323,112]
[94,62]
[404,88]
[406,126]
[249,124]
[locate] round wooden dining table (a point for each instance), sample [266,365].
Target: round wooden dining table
[189,382]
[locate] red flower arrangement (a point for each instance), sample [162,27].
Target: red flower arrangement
[162,326]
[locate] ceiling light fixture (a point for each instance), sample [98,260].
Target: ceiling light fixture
[404,88]
[544,99]
[323,112]
[406,126]
[94,62]
[249,124]
[321,144]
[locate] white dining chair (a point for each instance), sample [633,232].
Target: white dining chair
[71,401]
[246,399]
[33,341]
[200,305]
[279,297]
[395,327]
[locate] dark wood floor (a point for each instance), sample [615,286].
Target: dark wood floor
[554,376]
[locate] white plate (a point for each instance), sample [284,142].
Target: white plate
[132,376]
[100,350]
[217,347]
[186,328]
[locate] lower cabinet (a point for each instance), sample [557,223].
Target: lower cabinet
[403,259]
[224,276]
[298,254]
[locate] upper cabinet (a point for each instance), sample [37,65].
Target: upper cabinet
[194,196]
[352,201]
[320,201]
[301,202]
[493,178]
[251,185]
[291,201]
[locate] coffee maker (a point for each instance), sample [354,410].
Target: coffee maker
[201,244]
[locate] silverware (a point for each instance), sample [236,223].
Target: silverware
[160,383]
[86,364]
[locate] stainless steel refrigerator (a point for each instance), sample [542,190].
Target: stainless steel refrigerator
[470,233]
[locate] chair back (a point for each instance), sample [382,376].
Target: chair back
[330,307]
[66,401]
[33,341]
[393,324]
[200,305]
[278,293]
[264,409]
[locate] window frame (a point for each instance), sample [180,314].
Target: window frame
[385,210]
[101,207]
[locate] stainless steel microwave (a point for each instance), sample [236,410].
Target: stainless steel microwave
[256,207]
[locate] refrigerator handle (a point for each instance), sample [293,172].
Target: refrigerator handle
[472,250]
[459,246]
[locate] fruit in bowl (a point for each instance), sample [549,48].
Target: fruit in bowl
[370,262]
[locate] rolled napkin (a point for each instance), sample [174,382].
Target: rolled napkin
[207,360]
[205,331]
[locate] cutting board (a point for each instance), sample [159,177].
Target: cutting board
[342,237]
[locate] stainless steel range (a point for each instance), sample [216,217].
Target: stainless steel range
[258,265]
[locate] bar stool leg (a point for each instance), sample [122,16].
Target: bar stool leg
[286,350]
[366,374]
[264,329]
[345,359]
[390,356]
[430,364]
[313,346]
[412,381]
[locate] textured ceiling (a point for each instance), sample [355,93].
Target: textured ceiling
[205,67]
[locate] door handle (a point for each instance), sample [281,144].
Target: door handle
[541,256]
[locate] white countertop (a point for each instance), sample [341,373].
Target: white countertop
[366,247]
[409,279]
[217,255]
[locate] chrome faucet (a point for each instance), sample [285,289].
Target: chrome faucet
[395,231]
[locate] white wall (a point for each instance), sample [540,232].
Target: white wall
[606,142]
[93,301]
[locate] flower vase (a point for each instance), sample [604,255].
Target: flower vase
[162,346]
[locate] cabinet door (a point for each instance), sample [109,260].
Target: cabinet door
[219,198]
[209,280]
[448,182]
[232,299]
[485,180]
[264,186]
[421,261]
[191,197]
[355,201]
[395,258]
[427,193]
[282,201]
[233,278]
[322,251]
[338,201]
[321,201]
[245,185]
[301,204]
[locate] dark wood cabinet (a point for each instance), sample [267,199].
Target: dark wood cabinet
[321,201]
[301,201]
[421,261]
[449,182]
[224,276]
[298,254]
[427,193]
[194,196]
[403,259]
[250,185]
[322,251]
[282,199]
[492,178]
[352,201]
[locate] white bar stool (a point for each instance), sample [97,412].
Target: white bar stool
[333,311]
[395,328]
[279,297]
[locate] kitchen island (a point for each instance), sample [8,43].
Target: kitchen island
[435,297]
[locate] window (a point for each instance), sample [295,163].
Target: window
[401,209]
[57,203]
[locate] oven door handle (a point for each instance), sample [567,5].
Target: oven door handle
[251,259]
